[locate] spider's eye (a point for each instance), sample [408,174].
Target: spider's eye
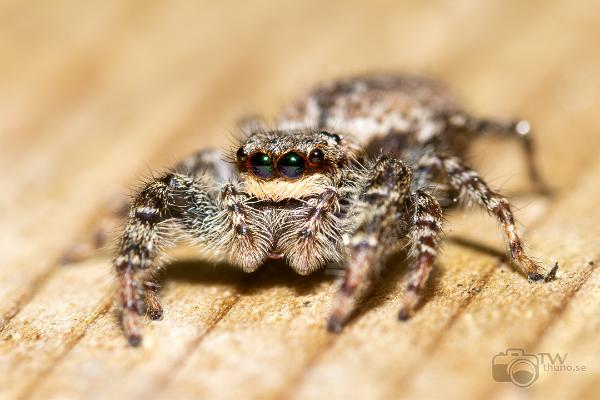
[262,166]
[241,155]
[291,165]
[316,156]
[334,136]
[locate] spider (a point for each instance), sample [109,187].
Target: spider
[346,175]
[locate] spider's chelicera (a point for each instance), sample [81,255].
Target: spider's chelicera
[346,177]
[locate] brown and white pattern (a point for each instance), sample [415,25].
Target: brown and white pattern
[346,176]
[424,237]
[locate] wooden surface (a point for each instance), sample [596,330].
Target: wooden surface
[95,94]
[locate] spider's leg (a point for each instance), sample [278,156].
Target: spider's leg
[518,129]
[202,163]
[140,245]
[376,234]
[424,235]
[218,219]
[468,182]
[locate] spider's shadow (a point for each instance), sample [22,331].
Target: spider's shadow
[271,274]
[388,282]
[278,274]
[398,265]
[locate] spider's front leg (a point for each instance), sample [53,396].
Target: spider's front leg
[469,184]
[220,220]
[386,212]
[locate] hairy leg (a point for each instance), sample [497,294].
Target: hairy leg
[141,244]
[376,234]
[218,221]
[205,163]
[468,182]
[518,129]
[424,235]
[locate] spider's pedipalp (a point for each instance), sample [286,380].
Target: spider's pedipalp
[314,234]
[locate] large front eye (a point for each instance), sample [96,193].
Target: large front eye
[262,166]
[291,165]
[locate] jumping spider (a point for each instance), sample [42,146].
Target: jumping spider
[345,176]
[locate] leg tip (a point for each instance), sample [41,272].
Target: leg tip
[334,325]
[535,277]
[552,274]
[156,314]
[522,127]
[134,340]
[404,315]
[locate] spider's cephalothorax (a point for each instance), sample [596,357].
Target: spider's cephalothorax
[292,164]
[346,176]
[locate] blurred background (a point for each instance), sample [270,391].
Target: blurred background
[95,94]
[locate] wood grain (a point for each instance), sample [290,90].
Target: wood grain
[95,95]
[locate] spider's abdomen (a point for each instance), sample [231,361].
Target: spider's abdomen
[372,107]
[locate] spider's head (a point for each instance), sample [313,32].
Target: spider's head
[279,165]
